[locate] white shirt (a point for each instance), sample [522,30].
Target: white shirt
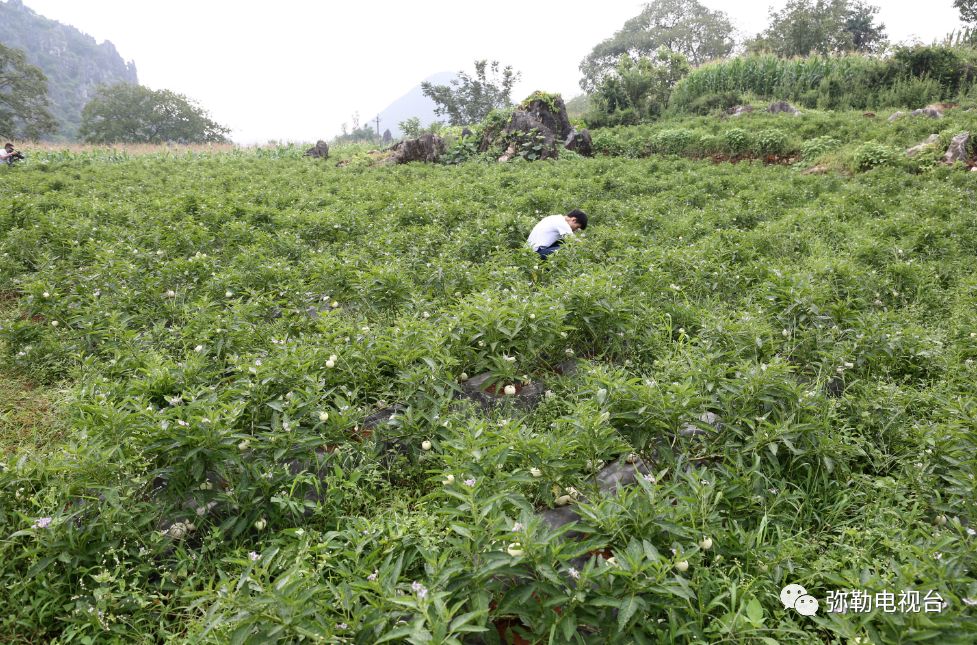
[549,230]
[4,154]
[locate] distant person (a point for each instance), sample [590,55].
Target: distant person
[10,155]
[547,236]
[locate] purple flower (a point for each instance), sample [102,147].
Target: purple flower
[470,482]
[418,589]
[42,523]
[373,576]
[254,556]
[573,573]
[342,626]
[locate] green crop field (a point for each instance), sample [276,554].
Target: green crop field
[194,349]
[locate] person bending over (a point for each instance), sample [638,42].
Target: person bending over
[547,236]
[9,155]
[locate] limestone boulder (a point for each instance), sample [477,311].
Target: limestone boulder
[319,151]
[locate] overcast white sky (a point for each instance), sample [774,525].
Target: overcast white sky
[295,70]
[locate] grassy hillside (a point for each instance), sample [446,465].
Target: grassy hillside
[227,323]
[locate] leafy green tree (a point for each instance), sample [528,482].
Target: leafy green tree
[805,27]
[124,113]
[639,89]
[469,99]
[683,26]
[411,127]
[967,9]
[23,98]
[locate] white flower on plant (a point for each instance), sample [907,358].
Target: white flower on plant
[938,555]
[425,445]
[463,376]
[517,526]
[941,520]
[373,576]
[365,329]
[261,524]
[198,349]
[54,323]
[243,445]
[425,314]
[509,390]
[971,532]
[509,359]
[46,294]
[682,565]
[41,523]
[481,343]
[535,472]
[568,351]
[532,316]
[206,486]
[563,334]
[563,500]
[573,573]
[706,543]
[253,556]
[470,482]
[514,549]
[448,479]
[257,362]
[330,363]
[228,294]
[419,589]
[170,293]
[323,416]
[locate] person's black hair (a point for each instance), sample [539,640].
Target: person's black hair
[8,145]
[580,216]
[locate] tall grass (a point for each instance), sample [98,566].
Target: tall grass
[831,82]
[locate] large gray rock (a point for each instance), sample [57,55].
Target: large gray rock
[580,142]
[739,110]
[708,422]
[427,148]
[319,151]
[958,149]
[930,141]
[551,123]
[524,125]
[896,115]
[555,118]
[621,473]
[784,107]
[928,111]
[478,390]
[554,518]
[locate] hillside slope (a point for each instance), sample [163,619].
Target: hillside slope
[74,63]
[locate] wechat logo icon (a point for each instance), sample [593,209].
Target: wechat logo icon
[796,597]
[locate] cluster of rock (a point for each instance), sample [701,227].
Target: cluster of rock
[934,111]
[548,119]
[777,107]
[956,151]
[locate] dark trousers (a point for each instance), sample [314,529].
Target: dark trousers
[547,250]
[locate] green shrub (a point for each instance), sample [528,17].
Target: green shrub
[814,148]
[873,155]
[738,141]
[771,142]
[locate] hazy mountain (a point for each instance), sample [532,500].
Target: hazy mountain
[72,61]
[414,103]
